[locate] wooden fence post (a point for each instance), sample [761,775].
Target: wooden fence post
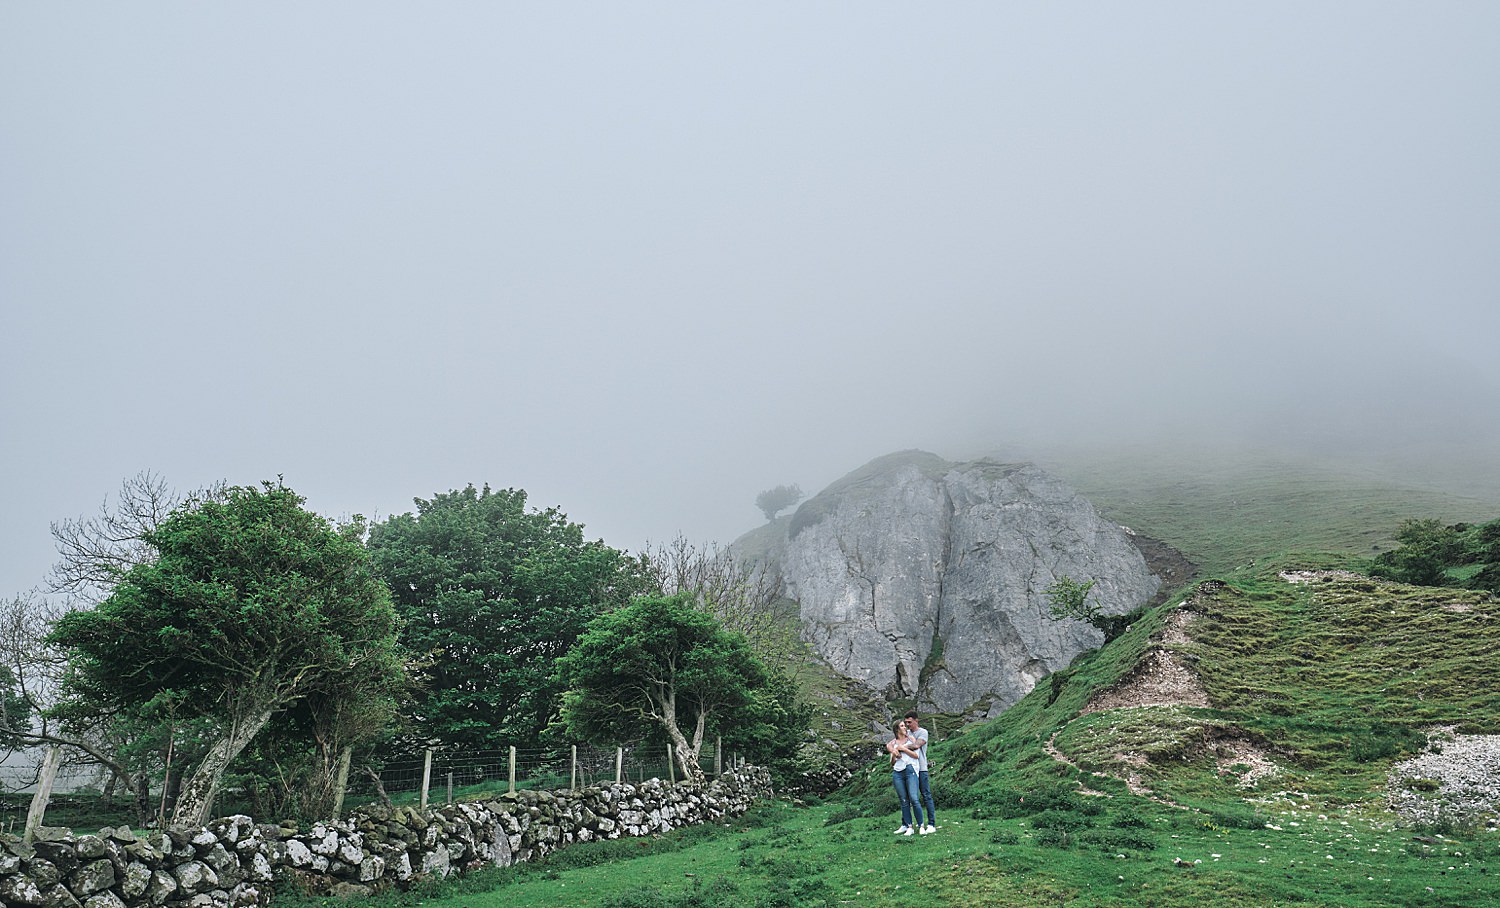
[619,764]
[166,777]
[38,810]
[343,781]
[718,756]
[573,773]
[426,776]
[513,769]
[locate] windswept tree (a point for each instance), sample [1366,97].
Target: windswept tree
[660,662]
[491,592]
[250,605]
[773,501]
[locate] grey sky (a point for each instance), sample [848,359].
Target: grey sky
[644,260]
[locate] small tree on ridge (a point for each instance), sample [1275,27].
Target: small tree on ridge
[773,501]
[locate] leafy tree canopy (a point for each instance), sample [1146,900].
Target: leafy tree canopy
[660,662]
[491,593]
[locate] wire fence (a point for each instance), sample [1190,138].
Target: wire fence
[84,794]
[446,774]
[21,772]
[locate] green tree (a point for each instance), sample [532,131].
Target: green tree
[747,598]
[773,728]
[660,662]
[773,501]
[251,604]
[491,593]
[1069,600]
[1427,549]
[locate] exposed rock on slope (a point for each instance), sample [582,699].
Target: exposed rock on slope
[924,579]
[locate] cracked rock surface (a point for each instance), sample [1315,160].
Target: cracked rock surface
[926,579]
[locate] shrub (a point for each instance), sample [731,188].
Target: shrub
[1382,740]
[1060,819]
[1116,840]
[1128,819]
[1237,818]
[1055,838]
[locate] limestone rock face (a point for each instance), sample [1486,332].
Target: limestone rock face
[924,579]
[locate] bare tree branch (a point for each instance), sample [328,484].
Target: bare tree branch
[747,597]
[94,552]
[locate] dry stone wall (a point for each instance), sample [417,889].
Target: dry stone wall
[237,863]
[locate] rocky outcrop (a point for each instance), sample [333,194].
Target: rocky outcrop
[1456,780]
[237,863]
[925,579]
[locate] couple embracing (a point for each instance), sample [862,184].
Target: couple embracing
[908,750]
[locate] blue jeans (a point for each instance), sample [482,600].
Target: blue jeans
[924,785]
[905,782]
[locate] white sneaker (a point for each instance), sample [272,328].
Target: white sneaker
[903,830]
[929,829]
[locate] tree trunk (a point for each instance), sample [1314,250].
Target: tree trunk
[342,782]
[687,753]
[379,786]
[197,797]
[322,790]
[140,788]
[39,800]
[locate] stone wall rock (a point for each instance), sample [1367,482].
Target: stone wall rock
[235,863]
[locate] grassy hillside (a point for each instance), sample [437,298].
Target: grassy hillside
[1227,508]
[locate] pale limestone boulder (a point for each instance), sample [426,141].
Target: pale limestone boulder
[925,579]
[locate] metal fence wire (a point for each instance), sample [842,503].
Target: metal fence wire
[535,768]
[439,775]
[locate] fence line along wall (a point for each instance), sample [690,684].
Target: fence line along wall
[534,767]
[236,863]
[464,774]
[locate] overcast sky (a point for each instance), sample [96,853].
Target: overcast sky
[644,260]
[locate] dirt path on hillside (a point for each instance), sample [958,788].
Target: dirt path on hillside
[1162,680]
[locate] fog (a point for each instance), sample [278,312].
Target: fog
[644,260]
